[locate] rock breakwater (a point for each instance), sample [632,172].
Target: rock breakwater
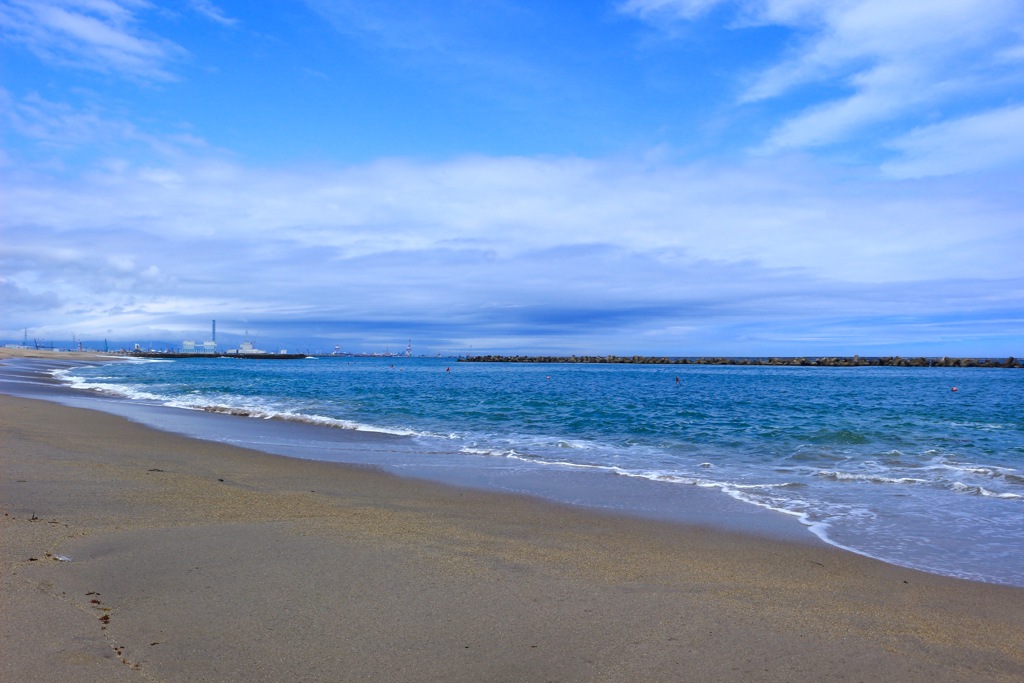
[821,361]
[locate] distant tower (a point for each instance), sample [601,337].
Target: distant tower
[408,349]
[213,338]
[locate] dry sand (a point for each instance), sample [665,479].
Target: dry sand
[191,561]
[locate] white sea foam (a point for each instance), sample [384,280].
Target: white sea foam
[960,487]
[790,507]
[512,454]
[291,416]
[984,426]
[574,444]
[870,478]
[198,402]
[991,471]
[118,390]
[492,452]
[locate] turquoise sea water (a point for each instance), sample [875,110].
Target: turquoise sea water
[887,462]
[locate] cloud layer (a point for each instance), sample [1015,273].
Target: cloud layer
[881,63]
[97,35]
[649,256]
[873,206]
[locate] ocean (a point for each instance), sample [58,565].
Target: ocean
[920,467]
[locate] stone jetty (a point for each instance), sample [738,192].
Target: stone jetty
[820,361]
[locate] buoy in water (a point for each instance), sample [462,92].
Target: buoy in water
[955,389]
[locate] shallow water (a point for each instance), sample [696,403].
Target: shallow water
[887,462]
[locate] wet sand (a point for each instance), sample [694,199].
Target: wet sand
[49,354]
[193,561]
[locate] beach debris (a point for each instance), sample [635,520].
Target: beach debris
[33,517]
[154,469]
[59,558]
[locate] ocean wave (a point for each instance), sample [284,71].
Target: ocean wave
[668,477]
[734,489]
[797,507]
[573,444]
[990,471]
[960,487]
[845,437]
[117,390]
[291,416]
[1003,475]
[536,460]
[760,493]
[982,426]
[870,478]
[650,475]
[198,403]
[490,452]
[778,485]
[812,454]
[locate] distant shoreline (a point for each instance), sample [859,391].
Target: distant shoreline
[801,361]
[781,361]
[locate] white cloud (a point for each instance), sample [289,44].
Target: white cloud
[98,35]
[777,215]
[917,37]
[881,94]
[681,9]
[60,126]
[212,12]
[160,227]
[894,62]
[520,249]
[992,139]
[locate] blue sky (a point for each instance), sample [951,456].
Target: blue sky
[671,177]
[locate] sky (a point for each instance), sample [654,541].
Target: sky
[655,177]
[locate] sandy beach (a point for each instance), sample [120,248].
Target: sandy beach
[132,554]
[49,354]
